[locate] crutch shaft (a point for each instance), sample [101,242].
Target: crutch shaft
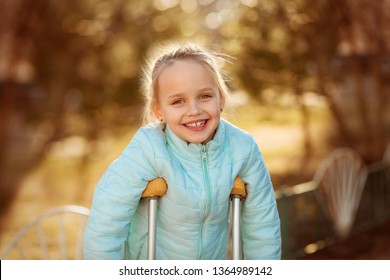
[152,228]
[236,228]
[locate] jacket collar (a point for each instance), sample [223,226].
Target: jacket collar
[192,152]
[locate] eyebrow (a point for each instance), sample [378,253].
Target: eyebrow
[206,88]
[175,96]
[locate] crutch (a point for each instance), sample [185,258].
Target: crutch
[237,194]
[154,190]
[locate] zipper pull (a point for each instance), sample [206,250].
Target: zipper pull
[204,152]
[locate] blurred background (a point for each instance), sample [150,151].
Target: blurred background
[308,78]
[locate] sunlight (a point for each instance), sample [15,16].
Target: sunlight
[249,3]
[163,5]
[214,20]
[189,6]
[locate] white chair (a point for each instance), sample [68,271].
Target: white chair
[340,182]
[55,234]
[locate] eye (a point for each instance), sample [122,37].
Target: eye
[177,102]
[205,96]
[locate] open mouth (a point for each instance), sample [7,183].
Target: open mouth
[196,124]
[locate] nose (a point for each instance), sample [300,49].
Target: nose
[194,108]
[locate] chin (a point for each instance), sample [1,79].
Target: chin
[196,140]
[193,141]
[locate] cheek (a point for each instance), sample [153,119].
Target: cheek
[214,108]
[172,114]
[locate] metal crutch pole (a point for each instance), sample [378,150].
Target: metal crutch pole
[154,190]
[237,194]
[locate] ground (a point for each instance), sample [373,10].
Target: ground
[373,244]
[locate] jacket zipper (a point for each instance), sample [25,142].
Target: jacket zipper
[208,195]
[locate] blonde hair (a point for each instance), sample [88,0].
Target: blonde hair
[168,55]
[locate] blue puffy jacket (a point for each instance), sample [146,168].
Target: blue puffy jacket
[192,219]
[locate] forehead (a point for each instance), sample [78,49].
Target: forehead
[185,74]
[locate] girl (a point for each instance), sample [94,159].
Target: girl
[199,155]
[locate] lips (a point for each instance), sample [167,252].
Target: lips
[196,125]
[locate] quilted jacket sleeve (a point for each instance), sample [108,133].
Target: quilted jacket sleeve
[116,198]
[260,218]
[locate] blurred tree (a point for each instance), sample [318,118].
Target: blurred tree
[72,68]
[338,49]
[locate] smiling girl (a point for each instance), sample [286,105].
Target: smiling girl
[185,141]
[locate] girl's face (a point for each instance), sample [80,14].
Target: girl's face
[189,100]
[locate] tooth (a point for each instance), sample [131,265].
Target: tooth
[196,124]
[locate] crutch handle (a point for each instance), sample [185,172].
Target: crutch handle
[157,187]
[238,188]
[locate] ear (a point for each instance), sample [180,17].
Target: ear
[157,110]
[221,101]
